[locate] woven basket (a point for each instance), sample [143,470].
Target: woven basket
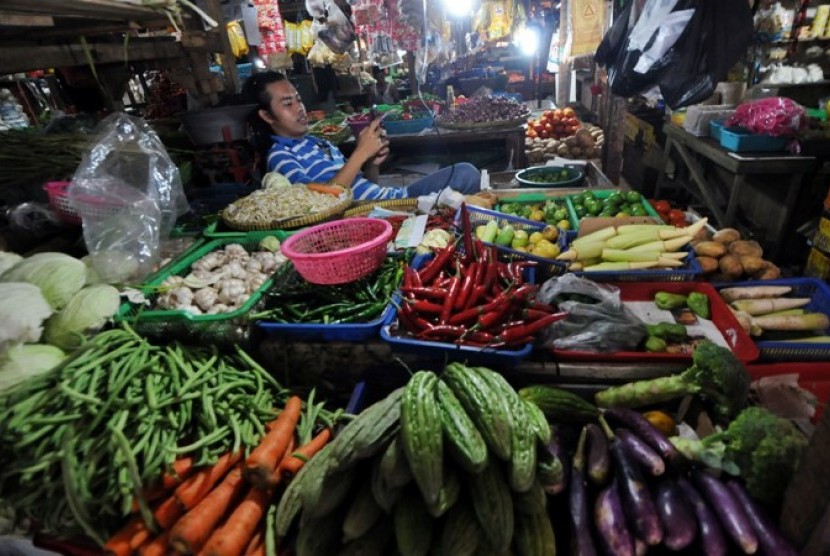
[332,212]
[482,125]
[339,252]
[363,208]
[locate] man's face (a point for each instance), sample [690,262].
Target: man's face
[287,116]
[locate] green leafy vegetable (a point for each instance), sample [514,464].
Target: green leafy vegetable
[25,361]
[22,312]
[87,311]
[58,276]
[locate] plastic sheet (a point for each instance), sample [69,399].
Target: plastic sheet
[129,172]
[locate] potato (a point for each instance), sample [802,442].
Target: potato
[731,266]
[703,235]
[744,248]
[563,150]
[708,264]
[710,249]
[726,236]
[752,264]
[769,272]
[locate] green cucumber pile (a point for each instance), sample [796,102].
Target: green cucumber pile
[459,464]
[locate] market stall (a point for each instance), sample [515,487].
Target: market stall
[250,363]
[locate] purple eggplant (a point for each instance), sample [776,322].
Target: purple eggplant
[770,539]
[647,432]
[582,543]
[633,490]
[712,538]
[609,518]
[641,452]
[679,523]
[732,516]
[598,461]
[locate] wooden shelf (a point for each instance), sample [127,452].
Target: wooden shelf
[110,10]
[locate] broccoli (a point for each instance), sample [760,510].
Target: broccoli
[715,374]
[758,445]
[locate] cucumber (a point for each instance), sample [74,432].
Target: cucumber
[384,494]
[393,464]
[461,535]
[448,495]
[375,541]
[363,513]
[493,505]
[486,407]
[413,524]
[534,535]
[522,468]
[538,422]
[532,501]
[466,444]
[558,405]
[421,433]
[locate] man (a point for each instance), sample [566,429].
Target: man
[303,158]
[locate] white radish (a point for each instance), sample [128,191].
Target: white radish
[753,292]
[765,306]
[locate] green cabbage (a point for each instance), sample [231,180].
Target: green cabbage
[87,311]
[274,179]
[8,260]
[25,361]
[58,276]
[22,312]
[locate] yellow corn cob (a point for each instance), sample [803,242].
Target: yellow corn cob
[623,255]
[628,228]
[665,261]
[667,245]
[600,235]
[583,251]
[602,267]
[693,229]
[638,237]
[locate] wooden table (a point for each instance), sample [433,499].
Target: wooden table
[441,140]
[702,155]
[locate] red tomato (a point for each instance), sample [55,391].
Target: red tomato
[539,128]
[547,113]
[545,134]
[661,206]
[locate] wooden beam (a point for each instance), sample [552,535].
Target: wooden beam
[25,58]
[17,19]
[203,41]
[97,9]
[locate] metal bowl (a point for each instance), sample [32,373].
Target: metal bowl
[551,176]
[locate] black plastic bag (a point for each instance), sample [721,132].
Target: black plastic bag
[715,39]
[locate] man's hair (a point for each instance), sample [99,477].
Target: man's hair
[255,88]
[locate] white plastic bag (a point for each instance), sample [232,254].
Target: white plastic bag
[129,194]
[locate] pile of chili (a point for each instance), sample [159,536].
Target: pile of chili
[472,299]
[293,300]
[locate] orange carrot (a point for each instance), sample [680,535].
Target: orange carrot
[257,545]
[262,462]
[198,485]
[168,512]
[323,188]
[182,468]
[295,460]
[234,536]
[157,547]
[189,533]
[122,543]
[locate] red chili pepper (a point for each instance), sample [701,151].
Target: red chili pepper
[432,293]
[539,306]
[512,333]
[452,294]
[491,319]
[533,314]
[471,314]
[475,297]
[515,272]
[491,272]
[524,292]
[476,337]
[415,279]
[466,287]
[467,233]
[504,273]
[428,273]
[422,306]
[443,331]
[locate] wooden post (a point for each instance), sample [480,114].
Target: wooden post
[410,64]
[214,10]
[805,515]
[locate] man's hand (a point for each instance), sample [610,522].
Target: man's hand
[370,142]
[383,153]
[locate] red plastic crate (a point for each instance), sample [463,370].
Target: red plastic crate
[814,377]
[738,340]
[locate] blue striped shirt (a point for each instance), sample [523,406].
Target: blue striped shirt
[313,160]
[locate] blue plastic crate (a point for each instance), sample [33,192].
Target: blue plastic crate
[453,352]
[737,139]
[335,332]
[478,216]
[819,293]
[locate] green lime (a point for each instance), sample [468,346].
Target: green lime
[633,196]
[588,194]
[607,212]
[580,211]
[560,214]
[578,199]
[638,210]
[615,196]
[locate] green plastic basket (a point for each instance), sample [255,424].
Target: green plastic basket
[604,194]
[533,198]
[219,329]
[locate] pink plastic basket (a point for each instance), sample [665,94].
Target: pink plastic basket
[59,202]
[339,252]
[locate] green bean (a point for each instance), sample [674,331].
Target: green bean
[237,434]
[124,446]
[206,439]
[80,396]
[270,536]
[75,505]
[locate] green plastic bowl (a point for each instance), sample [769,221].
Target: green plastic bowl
[551,176]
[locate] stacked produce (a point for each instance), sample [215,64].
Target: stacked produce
[483,111]
[472,299]
[726,257]
[84,445]
[271,205]
[552,211]
[387,480]
[767,311]
[541,242]
[542,144]
[292,299]
[660,336]
[617,204]
[631,247]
